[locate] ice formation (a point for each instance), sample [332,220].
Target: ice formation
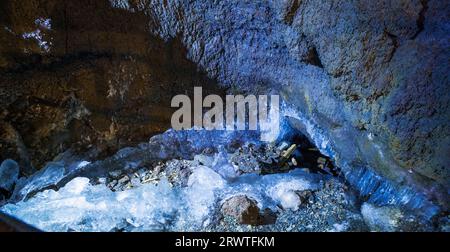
[380,191]
[195,181]
[81,206]
[47,177]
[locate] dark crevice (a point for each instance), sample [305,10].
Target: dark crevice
[395,44]
[421,19]
[311,157]
[308,154]
[292,10]
[313,58]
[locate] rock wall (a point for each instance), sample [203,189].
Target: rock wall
[372,76]
[366,80]
[84,77]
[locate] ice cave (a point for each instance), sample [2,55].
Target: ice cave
[360,140]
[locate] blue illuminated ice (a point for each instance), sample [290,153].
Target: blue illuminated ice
[81,206]
[47,177]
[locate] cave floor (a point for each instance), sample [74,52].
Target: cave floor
[198,181]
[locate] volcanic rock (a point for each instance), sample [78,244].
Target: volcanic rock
[243,209]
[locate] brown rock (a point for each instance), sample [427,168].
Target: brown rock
[243,209]
[105,82]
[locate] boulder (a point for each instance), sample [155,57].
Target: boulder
[243,209]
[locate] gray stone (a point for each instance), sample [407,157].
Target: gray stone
[124,180]
[112,184]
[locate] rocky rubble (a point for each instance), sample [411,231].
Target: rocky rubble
[202,192]
[211,185]
[229,159]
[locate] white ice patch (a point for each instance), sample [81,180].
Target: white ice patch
[284,192]
[83,164]
[339,227]
[42,24]
[80,206]
[76,186]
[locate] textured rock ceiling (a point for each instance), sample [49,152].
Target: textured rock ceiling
[370,76]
